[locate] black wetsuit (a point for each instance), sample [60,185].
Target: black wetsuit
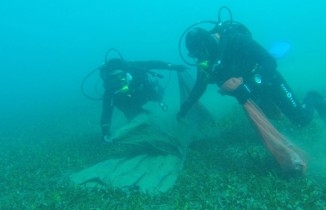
[241,56]
[144,87]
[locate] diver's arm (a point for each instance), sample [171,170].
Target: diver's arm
[196,92]
[107,112]
[153,64]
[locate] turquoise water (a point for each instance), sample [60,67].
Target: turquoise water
[49,130]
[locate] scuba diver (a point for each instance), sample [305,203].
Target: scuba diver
[128,85]
[229,51]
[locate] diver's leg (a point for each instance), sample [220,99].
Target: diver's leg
[282,94]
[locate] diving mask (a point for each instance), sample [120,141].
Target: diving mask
[125,83]
[120,81]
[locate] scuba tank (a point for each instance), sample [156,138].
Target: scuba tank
[91,73]
[221,27]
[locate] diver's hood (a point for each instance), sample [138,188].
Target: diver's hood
[201,44]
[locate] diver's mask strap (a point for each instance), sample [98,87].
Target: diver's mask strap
[125,87]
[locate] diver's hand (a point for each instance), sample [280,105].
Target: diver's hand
[106,134]
[107,139]
[237,88]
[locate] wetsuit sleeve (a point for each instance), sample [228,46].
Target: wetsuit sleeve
[196,92]
[107,111]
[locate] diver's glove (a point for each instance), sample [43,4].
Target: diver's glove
[107,139]
[179,68]
[106,135]
[237,88]
[242,93]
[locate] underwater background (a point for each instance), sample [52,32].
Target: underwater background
[49,130]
